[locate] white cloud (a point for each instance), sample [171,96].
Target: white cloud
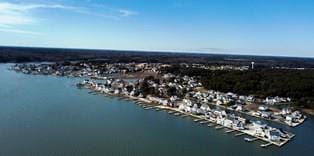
[13,30]
[17,14]
[13,15]
[126,13]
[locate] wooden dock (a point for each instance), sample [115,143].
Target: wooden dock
[229,131]
[250,139]
[197,120]
[239,134]
[219,127]
[177,114]
[184,115]
[204,122]
[148,108]
[211,125]
[266,145]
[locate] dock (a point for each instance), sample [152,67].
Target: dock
[266,145]
[148,108]
[239,134]
[229,131]
[177,114]
[197,120]
[184,115]
[250,139]
[219,127]
[211,125]
[204,122]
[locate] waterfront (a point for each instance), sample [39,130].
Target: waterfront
[47,115]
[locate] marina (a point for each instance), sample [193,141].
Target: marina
[244,131]
[251,131]
[203,120]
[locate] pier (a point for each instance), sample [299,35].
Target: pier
[266,145]
[211,125]
[239,134]
[204,122]
[229,131]
[219,127]
[197,120]
[148,108]
[184,115]
[250,139]
[177,114]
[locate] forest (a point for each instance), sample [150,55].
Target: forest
[37,54]
[297,84]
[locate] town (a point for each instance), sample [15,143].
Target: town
[181,96]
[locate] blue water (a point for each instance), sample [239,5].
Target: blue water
[46,115]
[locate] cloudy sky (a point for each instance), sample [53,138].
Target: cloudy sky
[258,27]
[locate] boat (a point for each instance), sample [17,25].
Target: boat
[265,145]
[250,139]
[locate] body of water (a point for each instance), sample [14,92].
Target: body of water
[47,115]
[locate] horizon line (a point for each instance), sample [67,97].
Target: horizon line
[157,51]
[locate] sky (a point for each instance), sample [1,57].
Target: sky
[254,27]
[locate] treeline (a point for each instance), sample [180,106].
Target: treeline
[297,84]
[33,54]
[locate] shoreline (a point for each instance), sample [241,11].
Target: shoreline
[197,118]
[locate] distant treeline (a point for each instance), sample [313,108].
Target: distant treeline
[297,84]
[23,54]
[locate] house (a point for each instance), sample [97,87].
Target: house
[266,114]
[187,101]
[285,111]
[289,119]
[194,109]
[274,135]
[116,91]
[182,107]
[238,125]
[228,122]
[237,107]
[263,108]
[259,128]
[204,108]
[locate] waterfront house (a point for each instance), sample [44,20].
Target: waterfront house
[285,111]
[188,102]
[204,108]
[263,108]
[238,125]
[259,128]
[194,109]
[228,122]
[265,114]
[273,134]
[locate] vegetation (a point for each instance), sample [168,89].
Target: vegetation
[23,54]
[297,84]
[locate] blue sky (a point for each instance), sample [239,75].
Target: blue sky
[257,27]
